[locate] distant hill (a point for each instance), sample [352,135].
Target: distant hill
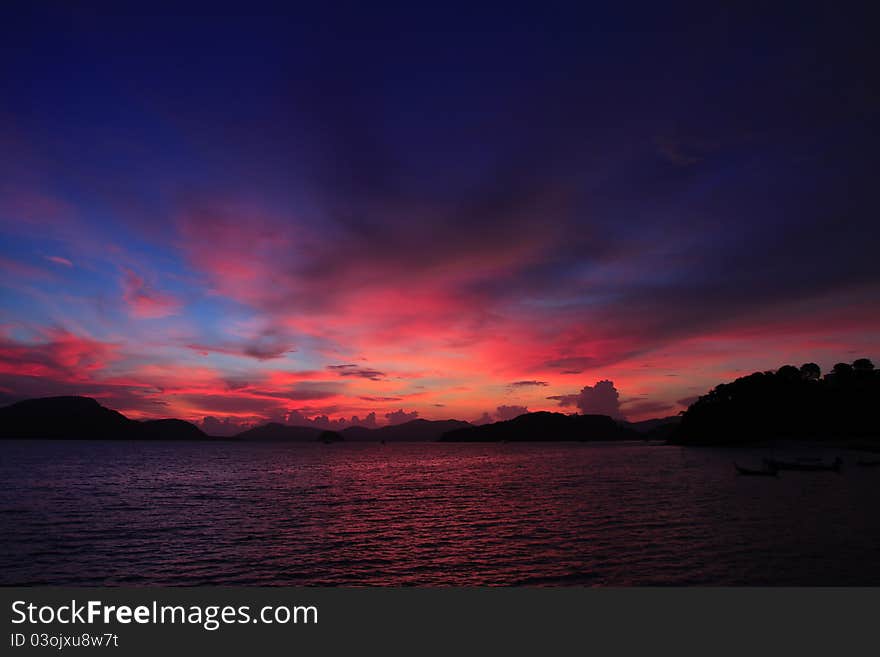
[660,428]
[412,431]
[84,418]
[646,426]
[170,429]
[545,427]
[275,432]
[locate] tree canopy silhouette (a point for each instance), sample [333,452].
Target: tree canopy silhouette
[811,372]
[788,403]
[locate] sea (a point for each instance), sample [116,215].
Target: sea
[114,513]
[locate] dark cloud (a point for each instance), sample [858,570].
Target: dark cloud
[503,412]
[223,404]
[368,421]
[228,426]
[400,416]
[263,351]
[355,371]
[306,418]
[524,384]
[600,399]
[673,208]
[509,412]
[485,418]
[268,344]
[572,364]
[391,217]
[306,391]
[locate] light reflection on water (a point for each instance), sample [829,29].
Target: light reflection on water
[105,513]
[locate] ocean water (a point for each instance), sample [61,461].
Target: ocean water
[138,513]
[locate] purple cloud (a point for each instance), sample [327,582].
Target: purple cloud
[600,399]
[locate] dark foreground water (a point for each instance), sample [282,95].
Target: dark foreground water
[428,514]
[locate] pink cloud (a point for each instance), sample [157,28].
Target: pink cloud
[400,416]
[58,260]
[430,319]
[145,302]
[59,354]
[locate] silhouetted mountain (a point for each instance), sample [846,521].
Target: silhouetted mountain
[545,427]
[660,428]
[85,418]
[790,403]
[275,432]
[412,431]
[646,426]
[170,429]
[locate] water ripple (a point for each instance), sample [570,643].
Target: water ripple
[92,513]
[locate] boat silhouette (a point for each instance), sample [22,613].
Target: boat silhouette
[751,472]
[804,466]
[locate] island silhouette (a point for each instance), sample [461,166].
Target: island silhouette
[419,430]
[544,426]
[78,418]
[786,403]
[85,418]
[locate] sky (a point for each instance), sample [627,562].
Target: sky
[357,213]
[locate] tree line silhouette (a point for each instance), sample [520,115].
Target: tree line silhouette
[790,402]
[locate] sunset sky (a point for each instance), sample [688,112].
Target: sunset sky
[432,211]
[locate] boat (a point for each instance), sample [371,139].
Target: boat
[802,466]
[751,472]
